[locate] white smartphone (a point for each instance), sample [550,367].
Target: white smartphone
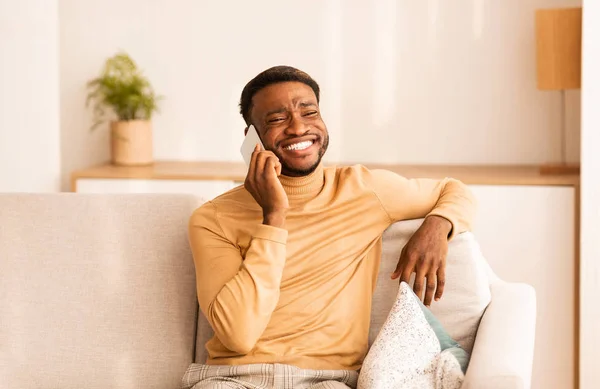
[250,141]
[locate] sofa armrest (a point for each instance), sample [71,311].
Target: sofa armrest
[502,356]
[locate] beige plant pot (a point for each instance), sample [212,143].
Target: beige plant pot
[131,142]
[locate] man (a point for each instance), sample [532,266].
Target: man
[286,265]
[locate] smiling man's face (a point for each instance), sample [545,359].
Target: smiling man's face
[288,120]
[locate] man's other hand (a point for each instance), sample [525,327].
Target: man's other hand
[425,254]
[263,184]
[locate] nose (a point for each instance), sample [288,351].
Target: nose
[297,127]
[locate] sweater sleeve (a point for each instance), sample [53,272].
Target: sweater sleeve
[404,198]
[237,295]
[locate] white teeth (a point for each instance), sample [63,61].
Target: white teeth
[300,146]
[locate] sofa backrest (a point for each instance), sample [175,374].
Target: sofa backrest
[466,295]
[96,291]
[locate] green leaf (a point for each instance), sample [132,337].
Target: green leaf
[123,89]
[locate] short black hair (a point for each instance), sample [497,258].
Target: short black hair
[271,76]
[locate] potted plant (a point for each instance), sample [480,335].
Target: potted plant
[123,89]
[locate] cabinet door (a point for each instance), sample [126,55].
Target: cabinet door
[206,189]
[527,233]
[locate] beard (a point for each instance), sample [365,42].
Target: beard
[291,171]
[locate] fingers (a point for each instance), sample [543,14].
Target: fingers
[419,283]
[250,178]
[396,273]
[262,175]
[441,282]
[429,264]
[278,168]
[263,184]
[254,154]
[431,285]
[261,160]
[407,271]
[270,168]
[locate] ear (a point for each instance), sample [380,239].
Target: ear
[245,131]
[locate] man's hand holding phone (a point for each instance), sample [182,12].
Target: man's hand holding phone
[263,184]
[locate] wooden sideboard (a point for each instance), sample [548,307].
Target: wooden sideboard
[527,227]
[234,171]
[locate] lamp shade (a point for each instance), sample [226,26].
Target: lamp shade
[558,44]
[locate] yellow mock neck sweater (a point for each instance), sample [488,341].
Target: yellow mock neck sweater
[301,295]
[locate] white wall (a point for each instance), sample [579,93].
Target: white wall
[29,97]
[403,81]
[590,198]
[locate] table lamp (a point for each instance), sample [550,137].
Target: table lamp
[558,44]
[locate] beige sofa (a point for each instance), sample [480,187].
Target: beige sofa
[98,291]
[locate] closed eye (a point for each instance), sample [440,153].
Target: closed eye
[276,120]
[310,113]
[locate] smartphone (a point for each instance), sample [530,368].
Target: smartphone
[249,143]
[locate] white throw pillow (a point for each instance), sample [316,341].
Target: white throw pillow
[407,354]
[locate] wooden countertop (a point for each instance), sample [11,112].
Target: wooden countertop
[235,171]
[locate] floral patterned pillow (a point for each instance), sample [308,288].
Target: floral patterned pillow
[408,353]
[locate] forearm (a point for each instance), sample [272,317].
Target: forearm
[456,204]
[404,198]
[242,308]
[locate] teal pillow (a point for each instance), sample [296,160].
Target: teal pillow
[446,342]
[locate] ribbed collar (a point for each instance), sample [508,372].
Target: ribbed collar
[300,189]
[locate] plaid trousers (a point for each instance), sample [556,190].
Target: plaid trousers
[265,376]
